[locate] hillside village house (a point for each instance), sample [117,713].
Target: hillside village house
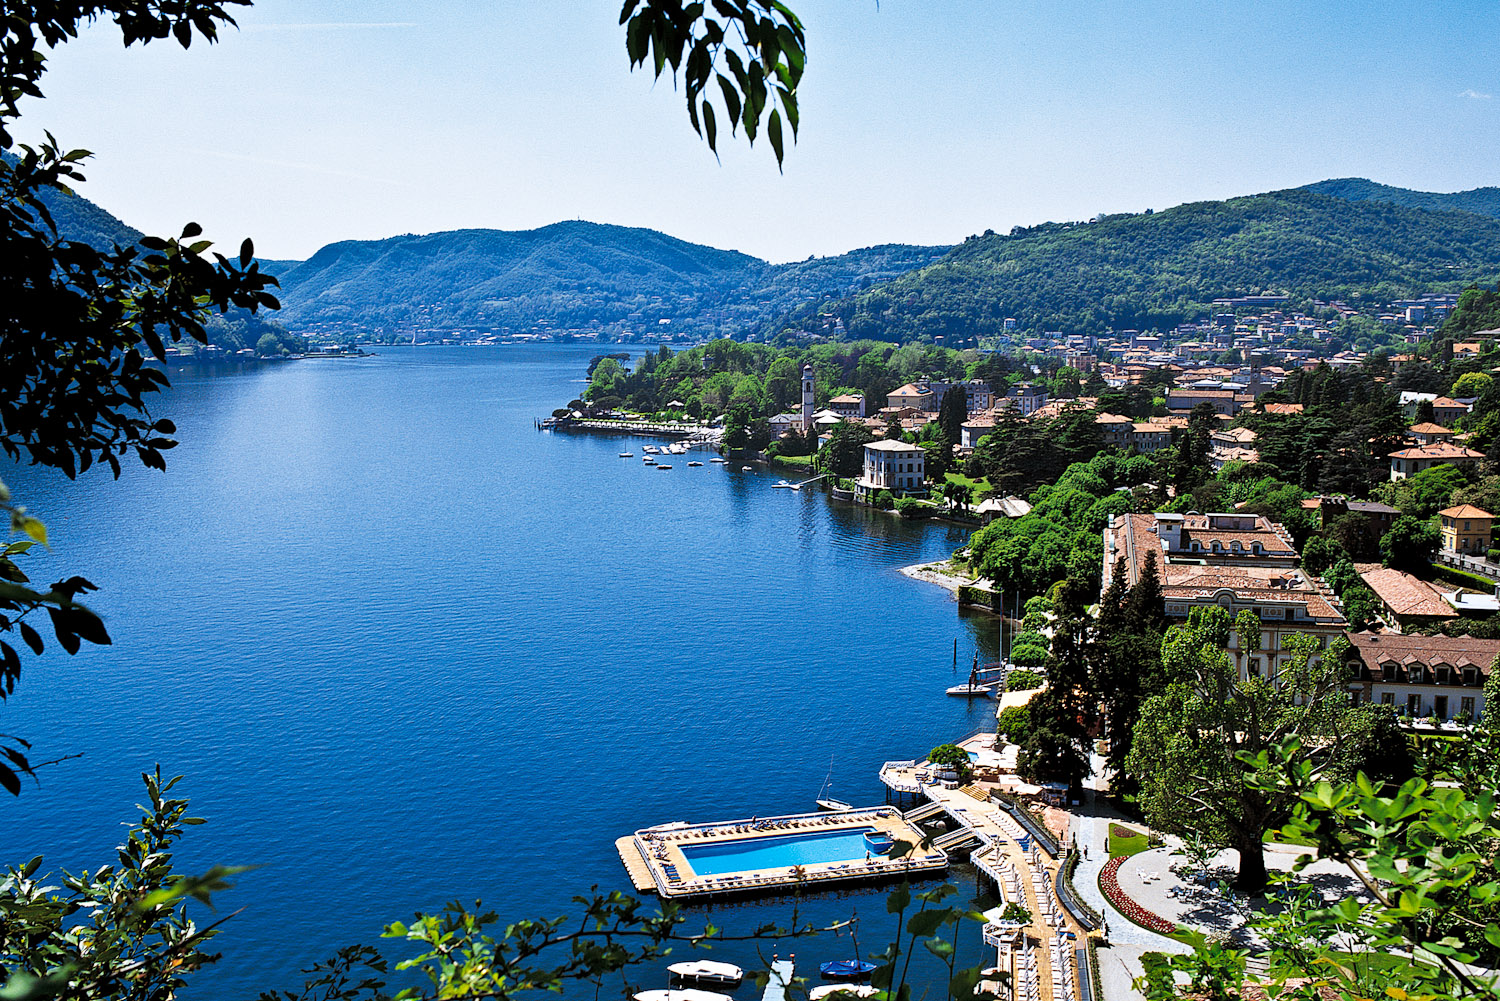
[1446,411]
[916,396]
[850,406]
[1405,600]
[890,465]
[1150,437]
[1422,676]
[1026,399]
[1239,562]
[1375,518]
[1224,401]
[1466,529]
[1411,461]
[1115,429]
[976,427]
[1427,433]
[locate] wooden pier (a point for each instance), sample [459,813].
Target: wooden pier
[782,971]
[635,865]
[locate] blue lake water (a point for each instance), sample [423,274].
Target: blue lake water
[408,649]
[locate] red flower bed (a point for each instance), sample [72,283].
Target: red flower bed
[1109,882]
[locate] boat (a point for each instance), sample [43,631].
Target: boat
[663,465]
[746,469]
[627,455]
[707,971]
[650,449]
[681,994]
[690,464]
[677,449]
[983,690]
[824,801]
[647,459]
[782,485]
[719,459]
[841,990]
[846,969]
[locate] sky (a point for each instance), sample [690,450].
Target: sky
[923,121]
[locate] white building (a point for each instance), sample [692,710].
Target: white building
[807,398]
[891,465]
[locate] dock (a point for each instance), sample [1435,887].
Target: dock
[782,971]
[656,860]
[635,865]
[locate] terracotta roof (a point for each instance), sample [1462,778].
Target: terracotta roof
[846,398]
[1111,419]
[911,389]
[1456,651]
[1404,594]
[1203,394]
[1437,450]
[1239,435]
[1427,427]
[1465,511]
[1150,428]
[1445,403]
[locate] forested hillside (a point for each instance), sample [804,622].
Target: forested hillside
[1156,270]
[1484,201]
[567,276]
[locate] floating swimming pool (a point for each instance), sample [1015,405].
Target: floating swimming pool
[779,852]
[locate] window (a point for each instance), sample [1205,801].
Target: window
[1471,676]
[1290,614]
[1440,707]
[1444,675]
[1466,706]
[1387,698]
[1414,674]
[1414,705]
[1254,667]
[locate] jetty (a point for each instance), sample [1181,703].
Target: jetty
[692,433]
[660,859]
[782,971]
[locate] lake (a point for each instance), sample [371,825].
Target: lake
[408,649]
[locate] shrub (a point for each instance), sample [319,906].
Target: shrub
[954,757]
[1028,655]
[1493,555]
[910,507]
[1038,604]
[1109,882]
[1022,680]
[1030,639]
[1014,723]
[884,500]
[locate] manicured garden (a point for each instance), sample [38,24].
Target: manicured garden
[1109,883]
[1125,842]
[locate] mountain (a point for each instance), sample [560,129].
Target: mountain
[1483,201]
[567,276]
[1159,269]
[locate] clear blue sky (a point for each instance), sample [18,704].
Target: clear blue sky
[923,120]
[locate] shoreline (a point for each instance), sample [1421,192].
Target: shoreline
[925,572]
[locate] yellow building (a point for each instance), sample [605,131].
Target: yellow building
[1466,529]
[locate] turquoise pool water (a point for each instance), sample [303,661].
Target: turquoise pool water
[780,852]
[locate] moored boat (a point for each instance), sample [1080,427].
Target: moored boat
[841,990]
[847,969]
[983,690]
[681,994]
[707,971]
[834,805]
[663,465]
[695,463]
[627,455]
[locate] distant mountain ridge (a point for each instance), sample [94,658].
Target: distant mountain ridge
[1155,270]
[1481,201]
[567,276]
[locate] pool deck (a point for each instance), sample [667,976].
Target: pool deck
[658,862]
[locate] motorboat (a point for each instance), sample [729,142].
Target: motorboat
[650,449]
[663,465]
[841,990]
[690,464]
[707,971]
[847,969]
[681,994]
[782,485]
[627,455]
[747,469]
[647,460]
[983,690]
[719,459]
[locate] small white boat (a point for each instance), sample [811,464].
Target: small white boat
[747,469]
[627,455]
[647,459]
[841,990]
[679,449]
[649,449]
[983,690]
[706,971]
[833,805]
[781,485]
[694,464]
[663,465]
[719,459]
[681,994]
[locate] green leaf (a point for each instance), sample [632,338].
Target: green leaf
[899,899]
[773,131]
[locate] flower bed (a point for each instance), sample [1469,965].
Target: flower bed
[1109,882]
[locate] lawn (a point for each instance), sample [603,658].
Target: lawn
[1125,841]
[980,486]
